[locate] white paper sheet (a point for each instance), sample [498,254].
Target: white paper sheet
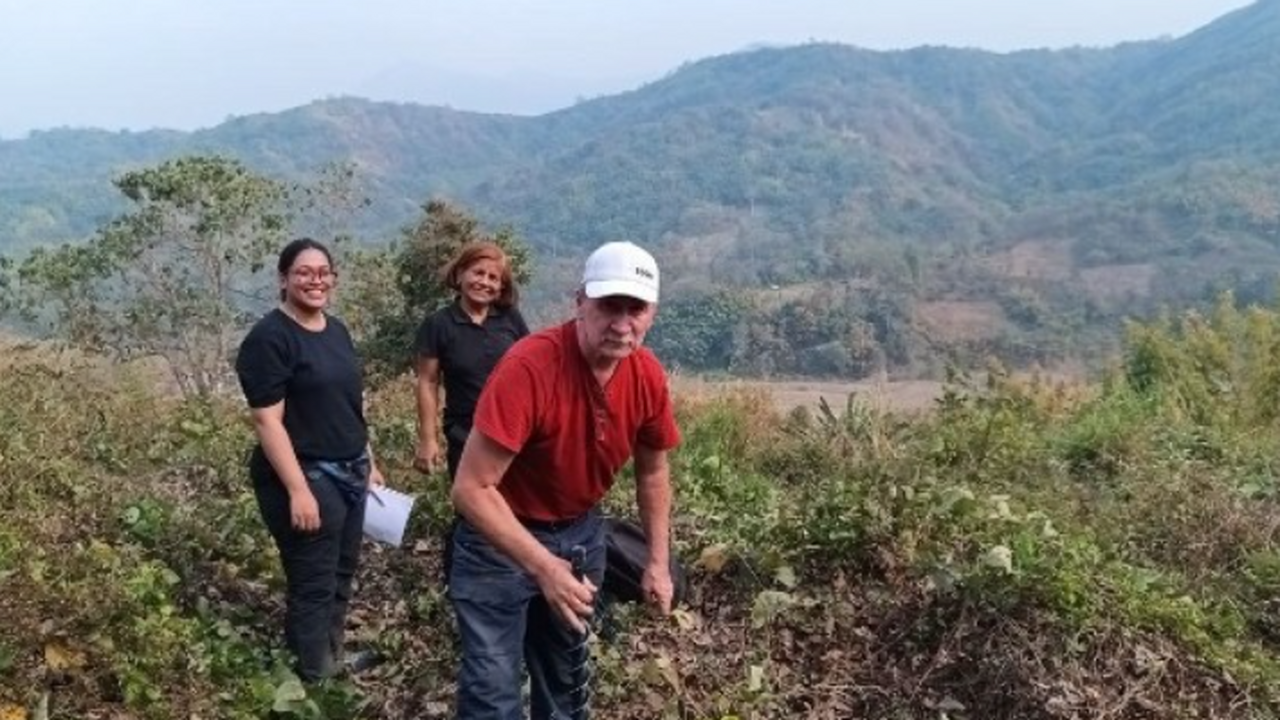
[386,513]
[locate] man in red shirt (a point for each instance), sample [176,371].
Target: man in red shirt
[564,410]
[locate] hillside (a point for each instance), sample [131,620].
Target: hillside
[1041,195]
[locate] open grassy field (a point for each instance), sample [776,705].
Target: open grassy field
[897,396]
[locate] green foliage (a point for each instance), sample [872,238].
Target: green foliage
[167,278]
[830,331]
[698,333]
[1107,432]
[997,431]
[1219,368]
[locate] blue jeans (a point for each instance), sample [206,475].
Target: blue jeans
[506,625]
[319,567]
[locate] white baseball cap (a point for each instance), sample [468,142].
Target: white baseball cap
[621,268]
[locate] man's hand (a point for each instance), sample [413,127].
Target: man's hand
[572,599]
[427,458]
[375,477]
[304,511]
[657,587]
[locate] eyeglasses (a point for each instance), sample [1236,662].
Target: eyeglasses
[306,274]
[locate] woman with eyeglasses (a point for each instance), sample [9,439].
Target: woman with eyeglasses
[312,465]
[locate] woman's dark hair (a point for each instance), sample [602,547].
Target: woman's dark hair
[290,254]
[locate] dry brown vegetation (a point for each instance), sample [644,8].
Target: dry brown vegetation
[961,320]
[1034,260]
[1111,283]
[785,395]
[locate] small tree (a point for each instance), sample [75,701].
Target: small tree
[386,322]
[170,277]
[330,203]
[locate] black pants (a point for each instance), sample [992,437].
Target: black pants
[455,442]
[319,568]
[455,438]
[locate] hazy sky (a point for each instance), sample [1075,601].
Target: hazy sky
[184,64]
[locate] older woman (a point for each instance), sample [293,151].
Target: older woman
[312,465]
[462,343]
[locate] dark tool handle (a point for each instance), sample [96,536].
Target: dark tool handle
[582,691]
[578,559]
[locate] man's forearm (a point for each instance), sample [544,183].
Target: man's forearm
[653,496]
[427,397]
[488,511]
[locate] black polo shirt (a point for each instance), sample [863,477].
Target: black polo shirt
[467,353]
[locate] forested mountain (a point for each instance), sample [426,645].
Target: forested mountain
[872,207]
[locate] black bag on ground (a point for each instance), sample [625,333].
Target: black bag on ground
[627,555]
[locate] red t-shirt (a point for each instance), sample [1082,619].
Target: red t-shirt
[570,436]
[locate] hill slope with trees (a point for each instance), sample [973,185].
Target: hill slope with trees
[867,211]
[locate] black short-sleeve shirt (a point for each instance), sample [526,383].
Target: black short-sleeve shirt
[467,353]
[318,376]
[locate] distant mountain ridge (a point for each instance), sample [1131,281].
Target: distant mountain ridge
[789,166]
